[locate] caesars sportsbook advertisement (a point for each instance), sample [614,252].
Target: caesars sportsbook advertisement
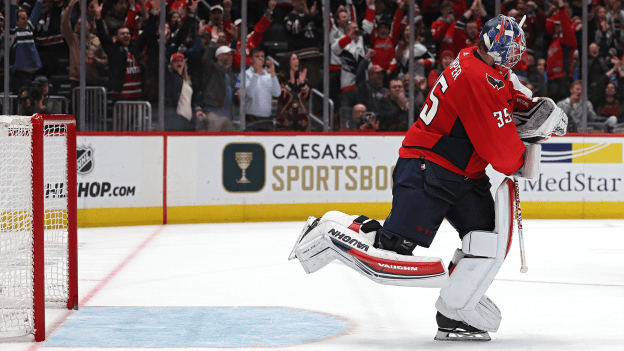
[212,177]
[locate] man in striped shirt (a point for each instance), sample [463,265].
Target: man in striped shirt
[24,56]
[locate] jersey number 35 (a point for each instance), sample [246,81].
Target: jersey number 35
[428,112]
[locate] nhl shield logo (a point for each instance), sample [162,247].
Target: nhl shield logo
[84,161]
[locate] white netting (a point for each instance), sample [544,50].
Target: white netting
[16,211]
[55,204]
[16,215]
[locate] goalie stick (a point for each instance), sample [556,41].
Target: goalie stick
[523,265]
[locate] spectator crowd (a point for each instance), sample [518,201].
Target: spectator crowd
[369,57]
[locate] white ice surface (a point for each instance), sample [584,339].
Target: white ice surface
[572,298]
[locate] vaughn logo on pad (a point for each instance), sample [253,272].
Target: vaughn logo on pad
[244,166]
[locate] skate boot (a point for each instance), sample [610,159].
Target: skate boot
[452,330]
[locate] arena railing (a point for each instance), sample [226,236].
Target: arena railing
[132,116]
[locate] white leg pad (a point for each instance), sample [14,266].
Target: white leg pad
[332,239]
[315,254]
[486,311]
[473,274]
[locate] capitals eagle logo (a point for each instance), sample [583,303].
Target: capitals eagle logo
[496,83]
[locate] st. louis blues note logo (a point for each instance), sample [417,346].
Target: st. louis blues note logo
[496,83]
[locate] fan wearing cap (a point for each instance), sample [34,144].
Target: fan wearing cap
[254,38]
[220,20]
[179,112]
[446,57]
[218,90]
[559,63]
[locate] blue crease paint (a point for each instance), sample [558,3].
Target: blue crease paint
[194,327]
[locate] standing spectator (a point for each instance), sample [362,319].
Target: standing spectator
[445,59]
[125,57]
[2,52]
[95,57]
[116,17]
[572,106]
[48,37]
[443,23]
[177,8]
[172,45]
[254,38]
[370,91]
[24,57]
[178,97]
[533,24]
[615,18]
[261,86]
[467,27]
[559,63]
[220,20]
[421,90]
[384,36]
[302,26]
[395,106]
[598,74]
[610,105]
[340,20]
[293,109]
[538,78]
[350,49]
[600,32]
[422,57]
[218,90]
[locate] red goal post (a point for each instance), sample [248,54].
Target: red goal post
[38,225]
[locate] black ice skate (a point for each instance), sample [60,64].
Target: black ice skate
[452,330]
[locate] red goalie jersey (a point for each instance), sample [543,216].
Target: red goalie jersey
[466,121]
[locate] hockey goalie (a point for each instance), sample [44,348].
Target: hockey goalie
[477,113]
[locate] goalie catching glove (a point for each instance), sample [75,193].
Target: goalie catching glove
[538,118]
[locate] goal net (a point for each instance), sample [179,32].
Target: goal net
[38,263]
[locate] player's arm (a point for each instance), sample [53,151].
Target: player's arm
[487,118]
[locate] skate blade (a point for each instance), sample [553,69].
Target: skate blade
[310,224]
[462,336]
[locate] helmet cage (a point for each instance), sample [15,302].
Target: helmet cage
[505,41]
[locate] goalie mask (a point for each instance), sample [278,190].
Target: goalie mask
[504,39]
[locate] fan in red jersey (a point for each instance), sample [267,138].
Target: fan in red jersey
[465,124]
